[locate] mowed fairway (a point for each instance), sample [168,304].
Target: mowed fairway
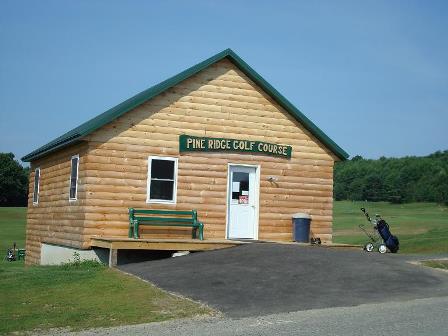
[420,227]
[12,228]
[75,296]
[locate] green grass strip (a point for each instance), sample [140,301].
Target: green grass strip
[84,296]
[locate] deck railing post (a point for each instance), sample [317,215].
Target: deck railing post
[113,257]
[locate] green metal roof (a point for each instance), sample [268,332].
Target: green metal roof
[76,134]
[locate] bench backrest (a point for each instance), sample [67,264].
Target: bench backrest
[163,216]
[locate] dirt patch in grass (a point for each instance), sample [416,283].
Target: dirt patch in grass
[441,264]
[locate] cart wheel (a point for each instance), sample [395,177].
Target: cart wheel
[382,248]
[369,247]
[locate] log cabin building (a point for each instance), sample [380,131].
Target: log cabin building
[216,138]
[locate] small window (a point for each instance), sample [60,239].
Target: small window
[162,180]
[36,186]
[74,178]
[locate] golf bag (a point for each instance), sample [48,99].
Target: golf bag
[389,239]
[10,256]
[381,237]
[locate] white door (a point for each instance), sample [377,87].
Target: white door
[242,203]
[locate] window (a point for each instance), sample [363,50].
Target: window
[74,178]
[36,186]
[162,180]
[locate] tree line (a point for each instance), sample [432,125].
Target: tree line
[13,181]
[397,180]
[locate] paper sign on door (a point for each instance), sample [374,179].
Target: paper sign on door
[235,187]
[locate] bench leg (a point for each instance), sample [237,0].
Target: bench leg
[136,230]
[201,231]
[193,232]
[131,233]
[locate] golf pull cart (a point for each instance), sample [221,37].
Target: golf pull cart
[381,238]
[13,254]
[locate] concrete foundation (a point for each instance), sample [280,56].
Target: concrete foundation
[56,254]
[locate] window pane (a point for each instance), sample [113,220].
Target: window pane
[162,169]
[240,185]
[72,192]
[161,190]
[73,183]
[74,167]
[36,185]
[73,177]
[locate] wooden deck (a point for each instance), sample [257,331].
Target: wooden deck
[124,243]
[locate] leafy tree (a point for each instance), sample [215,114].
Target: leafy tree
[13,181]
[373,188]
[357,158]
[408,179]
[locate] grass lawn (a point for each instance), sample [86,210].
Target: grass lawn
[78,297]
[420,227]
[12,228]
[90,295]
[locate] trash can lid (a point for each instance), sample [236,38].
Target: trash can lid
[301,215]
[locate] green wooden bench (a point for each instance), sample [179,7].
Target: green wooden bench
[139,217]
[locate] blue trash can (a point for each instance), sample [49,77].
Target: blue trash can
[301,223]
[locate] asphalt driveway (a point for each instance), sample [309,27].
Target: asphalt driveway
[263,278]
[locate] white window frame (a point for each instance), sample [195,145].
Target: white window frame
[70,179]
[148,182]
[34,187]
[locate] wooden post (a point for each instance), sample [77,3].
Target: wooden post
[113,256]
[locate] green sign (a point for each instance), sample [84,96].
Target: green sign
[189,143]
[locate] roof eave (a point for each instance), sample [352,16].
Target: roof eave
[42,152]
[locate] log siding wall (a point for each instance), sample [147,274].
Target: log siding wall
[55,219]
[219,101]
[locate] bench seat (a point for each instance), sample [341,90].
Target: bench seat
[177,218]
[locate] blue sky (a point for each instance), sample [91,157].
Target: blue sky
[373,75]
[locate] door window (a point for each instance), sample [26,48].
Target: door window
[240,188]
